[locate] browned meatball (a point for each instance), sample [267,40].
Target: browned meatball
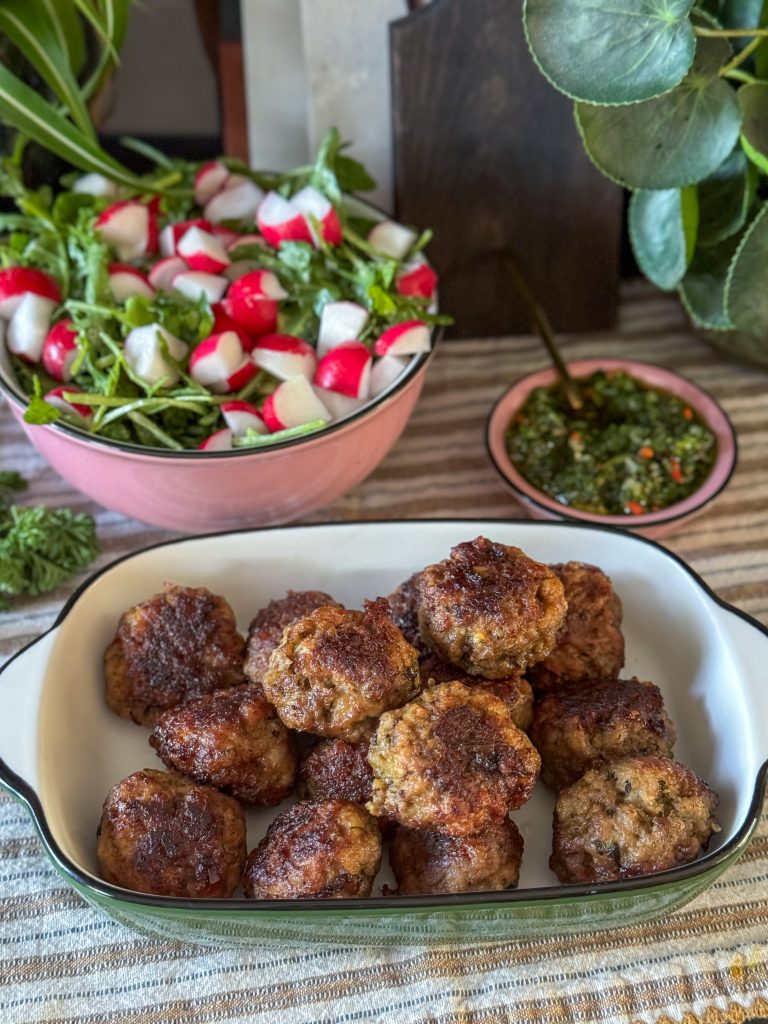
[174,647]
[633,817]
[404,609]
[328,849]
[336,670]
[162,833]
[582,725]
[336,770]
[432,862]
[590,644]
[233,740]
[266,629]
[515,690]
[451,760]
[490,609]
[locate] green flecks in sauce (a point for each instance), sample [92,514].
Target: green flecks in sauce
[630,449]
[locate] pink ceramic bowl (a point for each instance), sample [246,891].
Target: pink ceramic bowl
[201,492]
[652,524]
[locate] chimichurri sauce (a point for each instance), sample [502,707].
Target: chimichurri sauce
[630,449]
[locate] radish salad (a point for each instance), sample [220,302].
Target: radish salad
[221,308]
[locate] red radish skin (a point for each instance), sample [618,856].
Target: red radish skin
[284,356]
[15,282]
[314,205]
[340,322]
[252,301]
[222,322]
[221,441]
[29,327]
[404,339]
[291,404]
[130,228]
[59,351]
[209,180]
[161,275]
[279,221]
[385,372]
[241,416]
[392,239]
[144,354]
[418,280]
[219,363]
[237,202]
[172,234]
[193,284]
[125,281]
[56,398]
[202,250]
[346,369]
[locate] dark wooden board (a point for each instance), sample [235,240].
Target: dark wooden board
[487,153]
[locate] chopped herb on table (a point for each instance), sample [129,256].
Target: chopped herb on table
[629,450]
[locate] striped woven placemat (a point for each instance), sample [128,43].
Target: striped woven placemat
[61,961]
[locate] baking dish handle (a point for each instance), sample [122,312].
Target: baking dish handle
[21,685]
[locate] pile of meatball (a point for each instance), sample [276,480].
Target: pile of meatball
[419,722]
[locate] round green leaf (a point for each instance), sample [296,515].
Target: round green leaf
[753,100]
[725,198]
[611,51]
[662,228]
[746,289]
[703,287]
[673,140]
[738,13]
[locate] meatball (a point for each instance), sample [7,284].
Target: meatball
[632,817]
[404,609]
[490,609]
[336,770]
[451,760]
[328,849]
[266,629]
[431,862]
[336,670]
[583,725]
[515,690]
[590,644]
[233,740]
[176,646]
[163,834]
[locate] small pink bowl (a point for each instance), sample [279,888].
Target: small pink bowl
[651,524]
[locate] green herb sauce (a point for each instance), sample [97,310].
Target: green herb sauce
[629,450]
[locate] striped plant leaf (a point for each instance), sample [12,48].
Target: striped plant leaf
[109,20]
[69,29]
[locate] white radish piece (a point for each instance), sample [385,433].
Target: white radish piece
[130,228]
[417,279]
[280,221]
[252,301]
[56,398]
[291,404]
[385,372]
[172,234]
[346,369]
[240,202]
[219,363]
[202,250]
[143,352]
[95,184]
[29,326]
[339,322]
[193,284]
[339,405]
[221,441]
[16,282]
[392,239]
[161,275]
[126,281]
[59,350]
[284,356]
[210,179]
[406,339]
[238,240]
[314,205]
[241,416]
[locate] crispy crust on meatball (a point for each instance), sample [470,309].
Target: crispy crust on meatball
[337,669]
[163,834]
[582,725]
[515,690]
[328,849]
[590,644]
[451,760]
[404,609]
[233,740]
[431,862]
[178,645]
[635,816]
[266,629]
[490,609]
[336,770]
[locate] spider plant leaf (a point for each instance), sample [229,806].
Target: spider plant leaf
[109,20]
[611,51]
[673,140]
[753,100]
[746,289]
[662,227]
[69,29]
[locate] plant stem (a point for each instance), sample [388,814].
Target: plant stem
[729,33]
[743,55]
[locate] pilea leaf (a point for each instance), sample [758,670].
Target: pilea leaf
[725,198]
[746,289]
[662,227]
[702,290]
[753,100]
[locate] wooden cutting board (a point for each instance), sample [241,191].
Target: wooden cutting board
[486,152]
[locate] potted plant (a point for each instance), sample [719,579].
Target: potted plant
[671,102]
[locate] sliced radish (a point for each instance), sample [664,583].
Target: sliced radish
[239,240]
[193,284]
[202,250]
[29,326]
[236,203]
[172,234]
[284,356]
[96,185]
[222,322]
[130,228]
[210,179]
[161,275]
[404,339]
[385,372]
[339,405]
[280,221]
[252,301]
[292,403]
[339,322]
[59,350]
[125,281]
[16,282]
[240,268]
[143,350]
[346,369]
[417,279]
[314,205]
[219,363]
[241,416]
[56,398]
[392,239]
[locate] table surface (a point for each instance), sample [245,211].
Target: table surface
[62,961]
